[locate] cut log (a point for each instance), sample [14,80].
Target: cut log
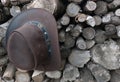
[9,72]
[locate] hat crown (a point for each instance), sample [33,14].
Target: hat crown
[33,37]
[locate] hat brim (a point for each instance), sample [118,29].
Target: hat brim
[46,19]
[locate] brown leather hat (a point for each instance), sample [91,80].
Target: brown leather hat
[32,41]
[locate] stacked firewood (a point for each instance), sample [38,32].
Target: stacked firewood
[89,37]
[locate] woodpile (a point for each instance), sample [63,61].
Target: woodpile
[89,38]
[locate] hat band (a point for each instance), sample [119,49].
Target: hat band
[45,33]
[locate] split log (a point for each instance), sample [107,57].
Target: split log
[90,43]
[65,20]
[81,44]
[15,10]
[69,28]
[69,41]
[75,32]
[72,9]
[98,20]
[88,33]
[80,17]
[5,2]
[38,76]
[100,36]
[101,8]
[91,21]
[106,18]
[9,72]
[22,77]
[110,29]
[90,6]
[115,20]
[117,12]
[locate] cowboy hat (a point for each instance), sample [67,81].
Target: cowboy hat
[32,41]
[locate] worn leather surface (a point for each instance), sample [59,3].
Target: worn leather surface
[26,42]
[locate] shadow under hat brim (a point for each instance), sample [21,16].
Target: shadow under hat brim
[47,19]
